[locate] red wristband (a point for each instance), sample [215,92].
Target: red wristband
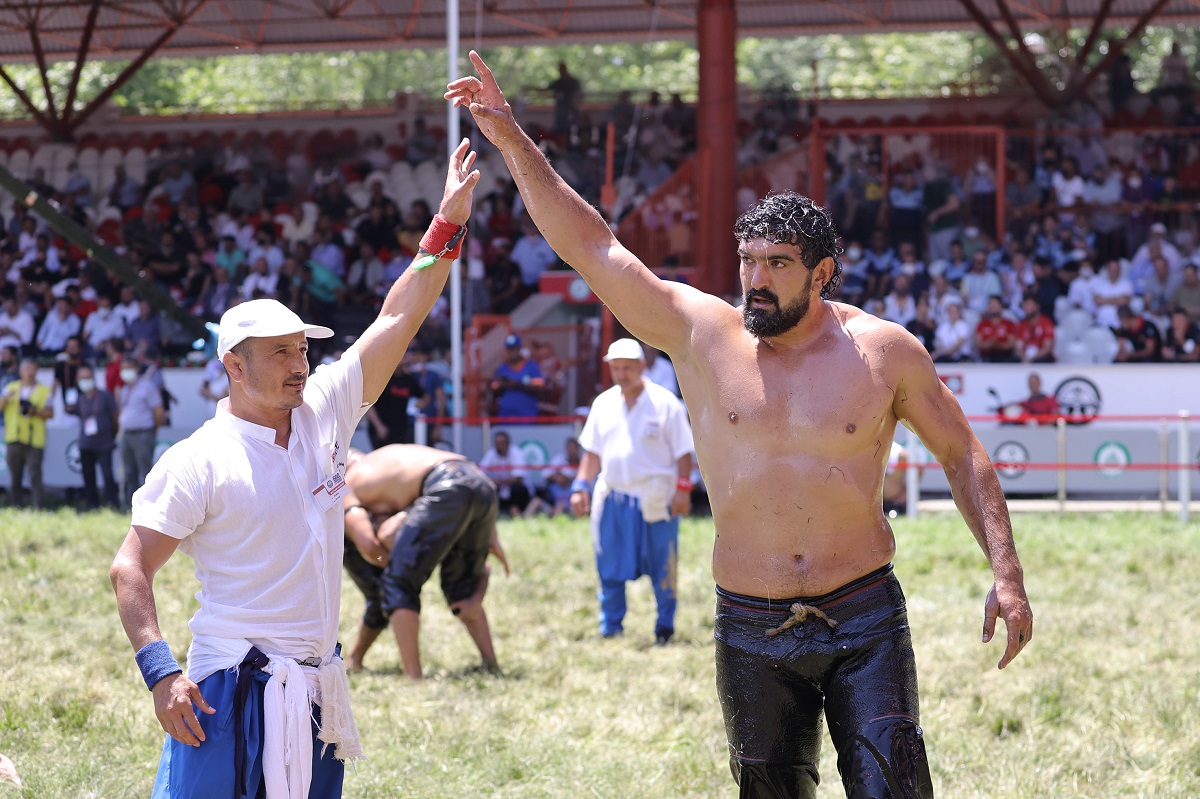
[443,239]
[683,484]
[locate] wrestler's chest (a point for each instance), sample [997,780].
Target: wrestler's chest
[833,411]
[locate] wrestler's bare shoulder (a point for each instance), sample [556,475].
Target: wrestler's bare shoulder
[877,337]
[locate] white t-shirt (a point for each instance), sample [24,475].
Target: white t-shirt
[264,533]
[639,446]
[1104,289]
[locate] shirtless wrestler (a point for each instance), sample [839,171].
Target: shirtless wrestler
[409,510]
[794,401]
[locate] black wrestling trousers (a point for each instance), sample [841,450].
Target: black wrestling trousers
[856,668]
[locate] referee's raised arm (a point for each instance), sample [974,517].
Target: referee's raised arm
[412,296]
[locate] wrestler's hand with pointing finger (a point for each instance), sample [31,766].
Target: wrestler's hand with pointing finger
[174,697]
[1010,602]
[483,98]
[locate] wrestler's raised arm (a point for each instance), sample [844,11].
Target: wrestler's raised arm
[923,402]
[661,313]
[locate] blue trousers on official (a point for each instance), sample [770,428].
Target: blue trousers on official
[208,771]
[627,548]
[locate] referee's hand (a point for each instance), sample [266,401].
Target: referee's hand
[175,700]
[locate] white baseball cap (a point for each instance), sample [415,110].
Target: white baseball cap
[262,319]
[625,349]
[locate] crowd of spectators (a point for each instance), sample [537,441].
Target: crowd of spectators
[1102,255]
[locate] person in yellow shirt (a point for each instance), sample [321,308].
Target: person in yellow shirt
[26,405]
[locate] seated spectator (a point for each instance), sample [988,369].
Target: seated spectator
[78,186]
[229,257]
[364,282]
[42,252]
[376,230]
[178,184]
[1038,403]
[1035,333]
[327,251]
[1047,285]
[1181,343]
[125,192]
[980,284]
[504,277]
[58,326]
[881,263]
[336,204]
[941,293]
[1141,265]
[101,325]
[995,334]
[923,325]
[952,340]
[954,267]
[533,255]
[1186,296]
[1158,289]
[220,294]
[1024,199]
[10,363]
[421,144]
[247,196]
[1110,290]
[899,305]
[505,466]
[127,305]
[143,336]
[904,209]
[1138,340]
[16,326]
[855,274]
[266,246]
[563,467]
[1068,189]
[168,263]
[517,383]
[260,282]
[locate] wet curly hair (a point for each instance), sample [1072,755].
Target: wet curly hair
[791,218]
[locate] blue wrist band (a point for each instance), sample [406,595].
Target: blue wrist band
[155,662]
[579,484]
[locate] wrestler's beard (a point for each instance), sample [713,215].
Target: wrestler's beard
[765,323]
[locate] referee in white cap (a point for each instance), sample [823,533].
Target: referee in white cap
[254,497]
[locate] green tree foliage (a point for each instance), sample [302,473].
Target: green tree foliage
[872,65]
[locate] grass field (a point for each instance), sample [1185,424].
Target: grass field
[1101,704]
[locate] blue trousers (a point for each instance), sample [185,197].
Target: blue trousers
[207,771]
[627,548]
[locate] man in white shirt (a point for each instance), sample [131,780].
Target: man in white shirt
[254,497]
[259,282]
[1110,290]
[128,309]
[16,326]
[1068,189]
[532,254]
[505,465]
[637,447]
[101,325]
[58,326]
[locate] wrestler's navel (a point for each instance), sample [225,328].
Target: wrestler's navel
[850,428]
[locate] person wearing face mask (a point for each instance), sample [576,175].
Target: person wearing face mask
[855,272]
[101,325]
[97,412]
[1136,196]
[141,414]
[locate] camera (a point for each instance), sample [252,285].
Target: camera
[26,408]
